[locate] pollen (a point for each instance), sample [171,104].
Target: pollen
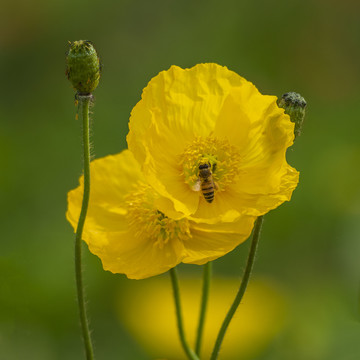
[145,221]
[224,159]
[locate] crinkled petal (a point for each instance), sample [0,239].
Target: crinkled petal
[262,133]
[112,177]
[221,209]
[241,202]
[211,241]
[183,103]
[163,173]
[260,203]
[137,258]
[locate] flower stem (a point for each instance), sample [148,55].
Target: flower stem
[175,284]
[204,301]
[84,103]
[242,288]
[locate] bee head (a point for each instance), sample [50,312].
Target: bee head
[203,166]
[204,170]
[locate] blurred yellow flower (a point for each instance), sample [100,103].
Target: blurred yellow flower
[127,231]
[210,115]
[260,317]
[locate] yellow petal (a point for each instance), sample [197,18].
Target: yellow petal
[262,133]
[211,241]
[137,258]
[260,203]
[164,178]
[186,101]
[112,177]
[241,202]
[266,202]
[223,208]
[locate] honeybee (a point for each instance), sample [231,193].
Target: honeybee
[205,182]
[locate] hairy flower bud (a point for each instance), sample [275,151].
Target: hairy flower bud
[294,105]
[83,66]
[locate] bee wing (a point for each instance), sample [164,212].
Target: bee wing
[197,185]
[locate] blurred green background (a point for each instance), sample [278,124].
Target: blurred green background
[309,248]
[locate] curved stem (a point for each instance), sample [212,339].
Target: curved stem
[84,102]
[204,301]
[175,284]
[241,291]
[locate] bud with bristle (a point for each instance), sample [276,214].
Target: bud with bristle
[294,105]
[83,66]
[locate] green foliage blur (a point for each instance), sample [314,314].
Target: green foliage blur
[310,246]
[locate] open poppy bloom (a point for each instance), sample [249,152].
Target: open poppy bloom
[207,157]
[212,145]
[126,229]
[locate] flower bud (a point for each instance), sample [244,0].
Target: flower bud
[294,105]
[83,66]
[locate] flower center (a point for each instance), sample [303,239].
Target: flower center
[146,221]
[223,158]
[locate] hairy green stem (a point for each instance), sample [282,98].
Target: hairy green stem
[84,103]
[204,301]
[242,288]
[175,285]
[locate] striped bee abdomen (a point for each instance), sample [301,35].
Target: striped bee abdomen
[207,182]
[207,188]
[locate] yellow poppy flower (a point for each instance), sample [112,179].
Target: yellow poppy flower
[210,116]
[126,230]
[260,318]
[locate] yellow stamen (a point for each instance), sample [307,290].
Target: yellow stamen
[146,221]
[223,158]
